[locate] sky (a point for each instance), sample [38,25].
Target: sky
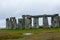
[17,8]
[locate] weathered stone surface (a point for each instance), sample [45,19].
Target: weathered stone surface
[45,22]
[13,23]
[56,15]
[36,22]
[42,16]
[23,17]
[55,21]
[20,23]
[7,23]
[27,21]
[59,21]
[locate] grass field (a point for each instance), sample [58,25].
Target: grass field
[37,34]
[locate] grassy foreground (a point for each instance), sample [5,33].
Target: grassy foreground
[37,34]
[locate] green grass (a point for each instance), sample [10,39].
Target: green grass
[33,30]
[37,33]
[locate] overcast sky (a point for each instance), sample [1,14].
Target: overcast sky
[17,8]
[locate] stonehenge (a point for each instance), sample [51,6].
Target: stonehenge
[26,21]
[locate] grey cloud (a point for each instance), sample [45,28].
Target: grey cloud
[17,8]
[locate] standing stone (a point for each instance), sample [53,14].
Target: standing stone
[36,22]
[28,22]
[45,21]
[52,22]
[13,23]
[23,24]
[20,23]
[7,23]
[55,21]
[59,21]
